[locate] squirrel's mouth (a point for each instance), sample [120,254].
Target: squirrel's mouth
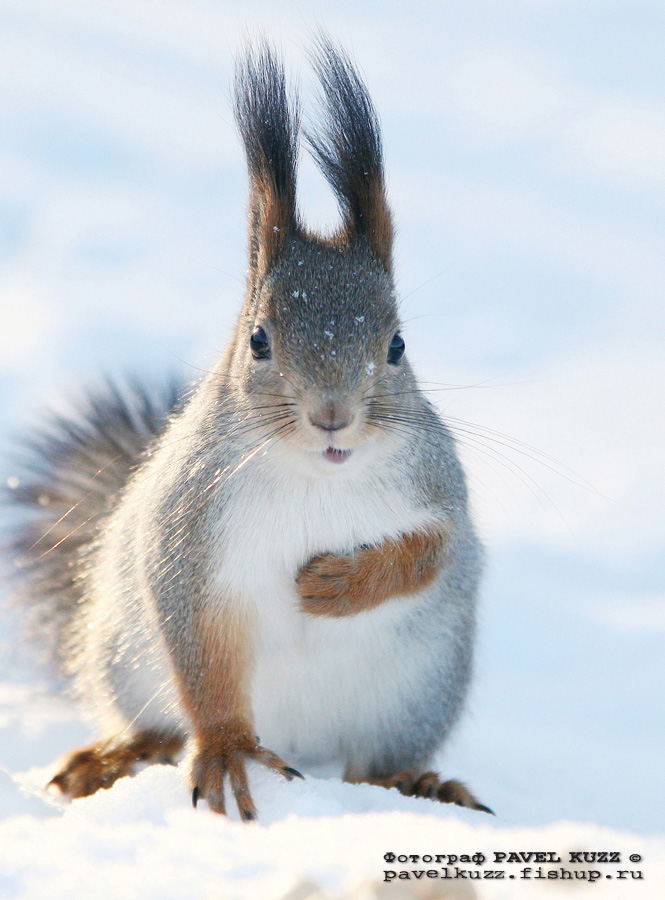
[337,456]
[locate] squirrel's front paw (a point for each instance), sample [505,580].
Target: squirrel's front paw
[332,585]
[222,752]
[328,585]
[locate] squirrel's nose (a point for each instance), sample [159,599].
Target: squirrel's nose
[330,416]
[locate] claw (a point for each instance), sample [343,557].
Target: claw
[481,808]
[290,773]
[248,815]
[195,796]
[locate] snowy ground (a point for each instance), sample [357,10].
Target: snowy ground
[525,144]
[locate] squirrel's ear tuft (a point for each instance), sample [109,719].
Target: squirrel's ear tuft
[269,121]
[348,150]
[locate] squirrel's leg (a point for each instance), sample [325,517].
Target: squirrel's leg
[426,784]
[332,585]
[213,676]
[99,766]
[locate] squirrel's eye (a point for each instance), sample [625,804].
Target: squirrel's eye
[259,344]
[396,349]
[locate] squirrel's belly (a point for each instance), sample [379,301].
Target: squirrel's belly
[337,686]
[321,685]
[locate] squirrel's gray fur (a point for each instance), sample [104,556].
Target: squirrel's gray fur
[138,513]
[72,470]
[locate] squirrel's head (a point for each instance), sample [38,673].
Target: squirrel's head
[318,348]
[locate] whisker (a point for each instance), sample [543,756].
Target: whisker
[526,450]
[408,422]
[262,422]
[527,480]
[425,283]
[480,431]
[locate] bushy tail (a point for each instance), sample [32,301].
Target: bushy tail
[65,480]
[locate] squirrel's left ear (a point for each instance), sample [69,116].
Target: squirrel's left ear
[269,122]
[348,151]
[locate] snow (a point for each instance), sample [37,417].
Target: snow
[526,175]
[317,838]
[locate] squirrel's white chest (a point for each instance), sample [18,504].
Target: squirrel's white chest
[265,542]
[307,669]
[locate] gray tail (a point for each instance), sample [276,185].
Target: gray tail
[66,477]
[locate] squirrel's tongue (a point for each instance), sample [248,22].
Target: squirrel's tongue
[337,456]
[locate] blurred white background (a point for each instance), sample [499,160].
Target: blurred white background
[525,149]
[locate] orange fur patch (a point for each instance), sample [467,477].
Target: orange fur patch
[379,224]
[215,693]
[375,225]
[337,586]
[274,222]
[214,678]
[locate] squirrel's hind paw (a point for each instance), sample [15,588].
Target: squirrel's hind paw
[430,786]
[100,765]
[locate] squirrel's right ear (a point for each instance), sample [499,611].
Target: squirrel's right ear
[269,122]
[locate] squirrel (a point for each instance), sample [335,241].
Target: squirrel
[283,549]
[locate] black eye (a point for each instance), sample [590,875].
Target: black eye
[259,344]
[396,349]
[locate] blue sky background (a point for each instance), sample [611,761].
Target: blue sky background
[525,146]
